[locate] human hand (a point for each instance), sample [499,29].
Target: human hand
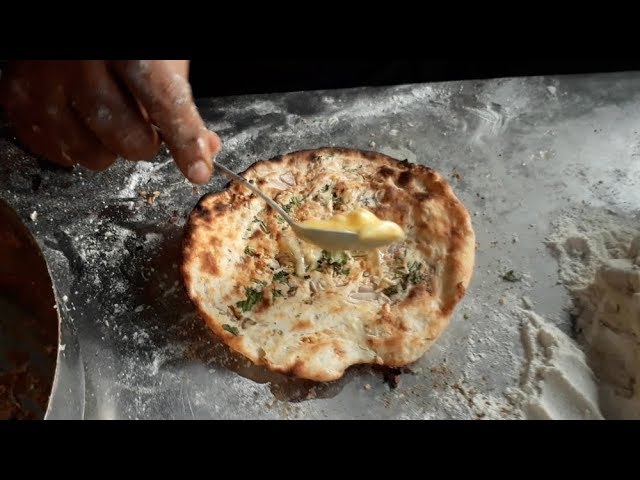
[91,112]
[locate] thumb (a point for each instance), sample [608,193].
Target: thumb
[199,170]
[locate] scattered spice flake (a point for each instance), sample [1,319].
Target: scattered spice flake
[441,369]
[231,329]
[511,276]
[149,196]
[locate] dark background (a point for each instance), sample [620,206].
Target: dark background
[236,77]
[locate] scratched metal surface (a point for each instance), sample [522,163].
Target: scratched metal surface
[516,151]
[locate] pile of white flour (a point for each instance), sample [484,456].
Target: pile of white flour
[556,383]
[599,262]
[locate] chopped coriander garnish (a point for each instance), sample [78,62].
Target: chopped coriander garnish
[277,293]
[264,228]
[336,257]
[253,297]
[231,329]
[412,275]
[415,273]
[294,202]
[250,251]
[281,277]
[335,260]
[259,282]
[326,187]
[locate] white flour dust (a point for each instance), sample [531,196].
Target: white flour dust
[598,256]
[556,383]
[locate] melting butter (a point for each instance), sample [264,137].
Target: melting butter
[372,232]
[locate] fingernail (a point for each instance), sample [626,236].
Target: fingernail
[215,143]
[198,172]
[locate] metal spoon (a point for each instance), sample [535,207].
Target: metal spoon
[328,239]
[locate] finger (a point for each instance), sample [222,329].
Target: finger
[40,142]
[46,125]
[165,93]
[113,115]
[77,142]
[30,124]
[215,144]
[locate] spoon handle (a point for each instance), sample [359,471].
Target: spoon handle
[257,191]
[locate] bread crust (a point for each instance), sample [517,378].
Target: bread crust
[334,316]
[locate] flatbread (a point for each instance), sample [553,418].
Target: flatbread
[340,308]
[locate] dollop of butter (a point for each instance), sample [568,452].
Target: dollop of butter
[372,232]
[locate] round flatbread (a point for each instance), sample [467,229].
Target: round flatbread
[296,309]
